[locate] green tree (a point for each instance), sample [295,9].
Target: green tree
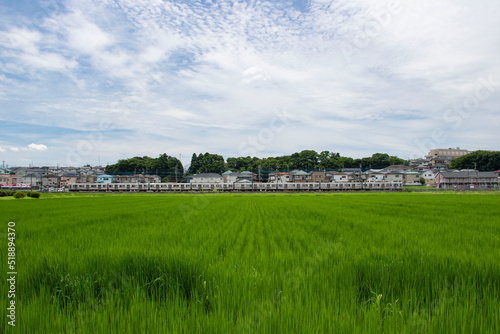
[206,163]
[482,160]
[163,166]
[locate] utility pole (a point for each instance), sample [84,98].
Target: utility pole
[259,172]
[475,168]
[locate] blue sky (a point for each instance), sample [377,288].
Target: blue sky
[87,81]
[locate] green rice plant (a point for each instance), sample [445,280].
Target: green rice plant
[257,263]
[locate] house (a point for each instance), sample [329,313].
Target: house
[279,177]
[318,176]
[207,178]
[5,170]
[5,179]
[352,170]
[497,173]
[466,180]
[22,171]
[66,179]
[397,168]
[232,177]
[375,177]
[301,177]
[86,179]
[50,180]
[429,177]
[394,177]
[412,179]
[337,176]
[33,178]
[104,178]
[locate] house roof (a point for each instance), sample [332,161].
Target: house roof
[468,174]
[497,171]
[227,172]
[336,173]
[246,172]
[397,167]
[206,175]
[351,169]
[104,175]
[301,173]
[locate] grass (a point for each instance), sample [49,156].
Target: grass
[264,263]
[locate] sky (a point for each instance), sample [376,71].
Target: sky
[94,81]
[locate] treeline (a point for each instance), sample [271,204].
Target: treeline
[165,166]
[170,167]
[482,160]
[306,160]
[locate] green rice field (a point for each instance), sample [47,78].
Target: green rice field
[254,263]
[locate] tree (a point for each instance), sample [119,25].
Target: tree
[206,163]
[164,165]
[482,160]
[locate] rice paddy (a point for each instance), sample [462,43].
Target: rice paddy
[255,263]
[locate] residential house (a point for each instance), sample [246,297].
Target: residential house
[34,179]
[394,177]
[66,179]
[279,177]
[5,179]
[301,177]
[51,180]
[412,179]
[104,178]
[429,177]
[375,177]
[22,171]
[5,170]
[352,170]
[466,180]
[86,179]
[356,177]
[337,176]
[397,168]
[207,178]
[232,177]
[318,176]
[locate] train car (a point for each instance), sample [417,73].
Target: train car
[181,187]
[264,186]
[243,186]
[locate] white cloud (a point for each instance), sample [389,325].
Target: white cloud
[37,147]
[203,77]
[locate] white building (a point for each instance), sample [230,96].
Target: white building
[207,178]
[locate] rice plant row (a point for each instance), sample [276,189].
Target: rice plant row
[256,263]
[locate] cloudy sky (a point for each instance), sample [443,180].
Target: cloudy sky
[90,81]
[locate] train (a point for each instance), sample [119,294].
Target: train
[206,187]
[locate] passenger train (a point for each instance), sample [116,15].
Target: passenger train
[204,187]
